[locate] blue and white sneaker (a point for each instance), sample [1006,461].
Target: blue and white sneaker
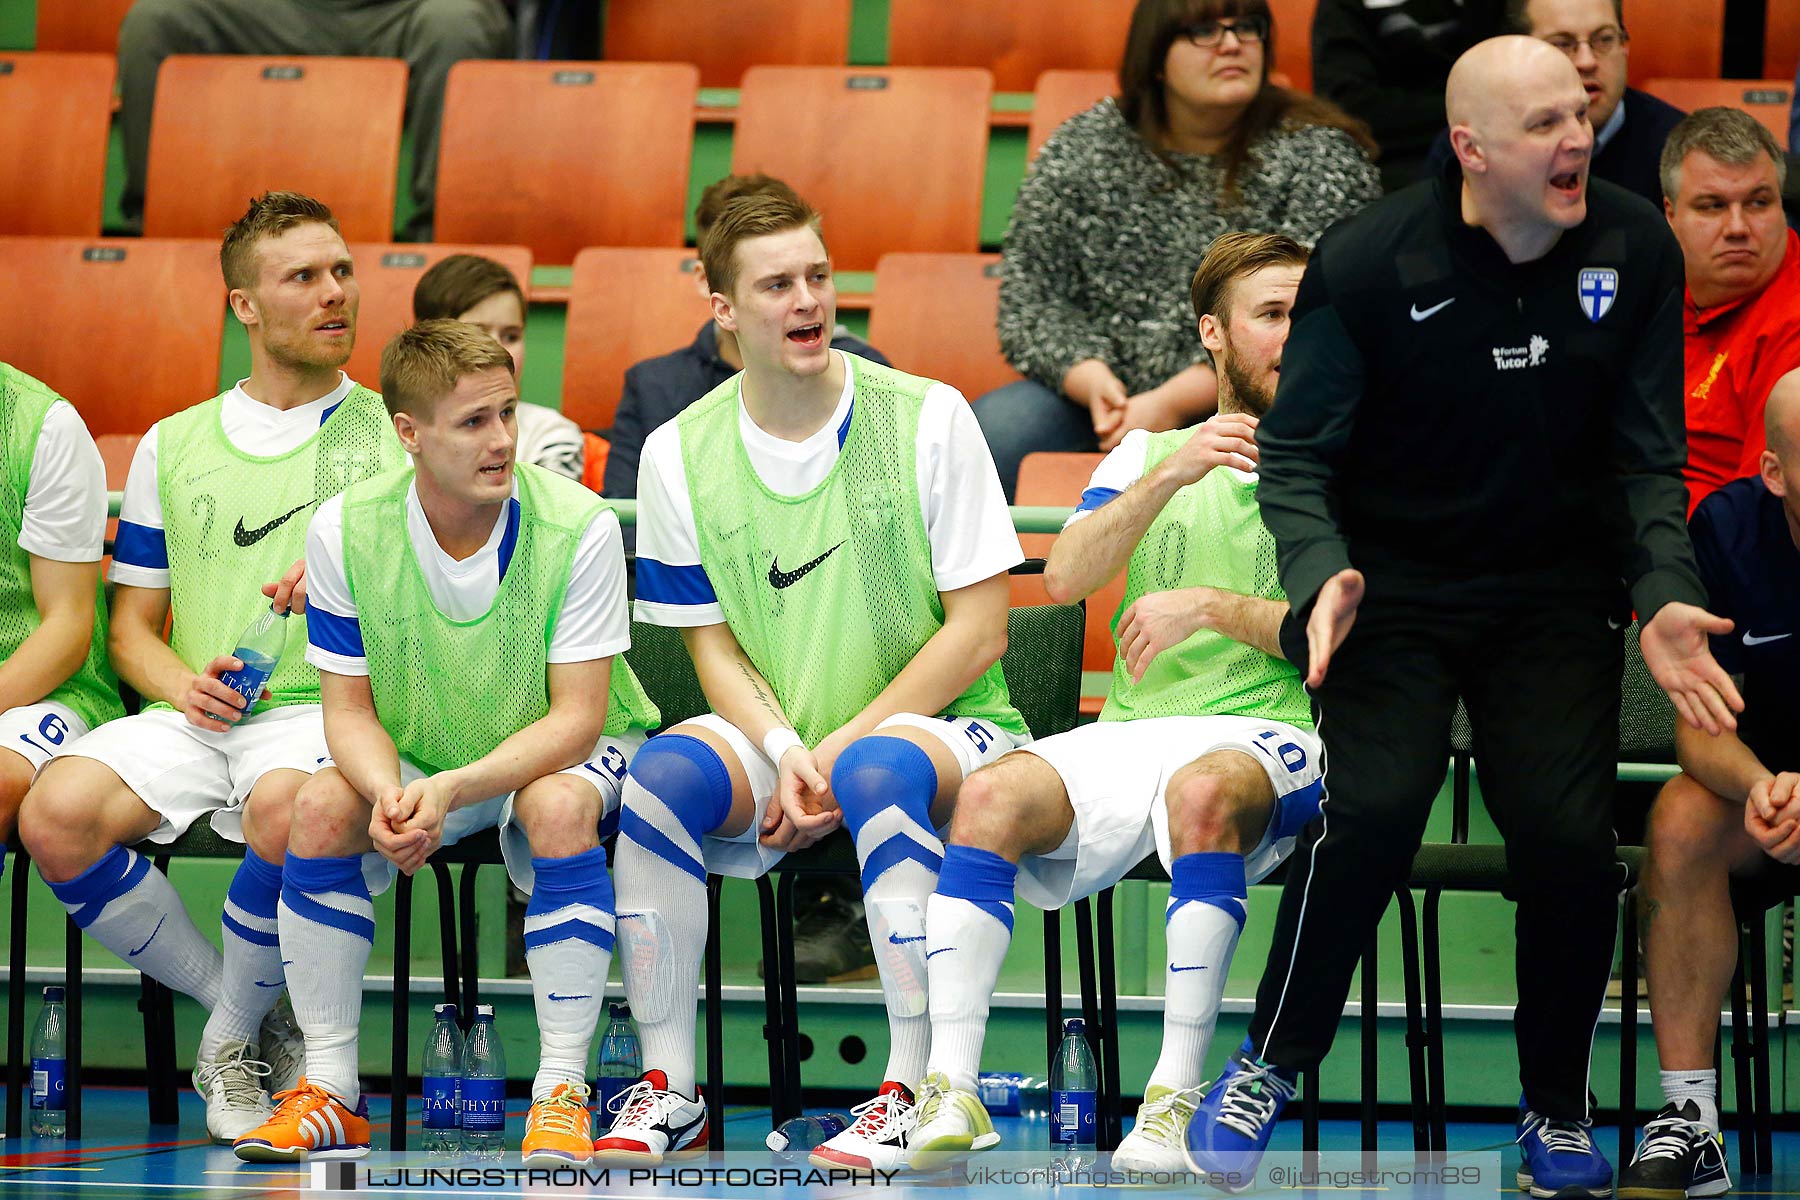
[1232,1127]
[1560,1160]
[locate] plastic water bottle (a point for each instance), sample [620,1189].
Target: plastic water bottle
[483,1088]
[1013,1094]
[259,649]
[441,1072]
[800,1134]
[1073,1079]
[621,1060]
[49,1103]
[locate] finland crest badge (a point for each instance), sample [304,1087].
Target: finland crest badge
[1596,288]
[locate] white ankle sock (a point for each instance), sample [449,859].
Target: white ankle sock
[328,923]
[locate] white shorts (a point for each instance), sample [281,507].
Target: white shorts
[1117,774]
[39,732]
[974,744]
[183,773]
[605,769]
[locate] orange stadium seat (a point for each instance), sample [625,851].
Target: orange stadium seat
[91,25]
[1062,94]
[1676,41]
[388,273]
[1015,39]
[229,127]
[605,162]
[934,316]
[894,158]
[1293,41]
[55,117]
[725,40]
[1781,40]
[1765,99]
[1059,478]
[624,305]
[128,329]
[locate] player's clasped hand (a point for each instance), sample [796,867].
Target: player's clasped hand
[208,703]
[1772,816]
[407,824]
[803,811]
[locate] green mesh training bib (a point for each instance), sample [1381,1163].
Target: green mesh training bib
[830,593]
[93,690]
[449,691]
[1210,534]
[235,521]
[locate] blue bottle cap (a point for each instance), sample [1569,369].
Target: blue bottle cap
[444,1012]
[1074,1025]
[484,1012]
[53,994]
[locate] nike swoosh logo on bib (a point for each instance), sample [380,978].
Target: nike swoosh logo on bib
[779,578]
[249,537]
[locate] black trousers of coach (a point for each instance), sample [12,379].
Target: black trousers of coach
[1541,684]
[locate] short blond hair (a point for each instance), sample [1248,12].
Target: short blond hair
[1234,256]
[269,215]
[424,362]
[746,217]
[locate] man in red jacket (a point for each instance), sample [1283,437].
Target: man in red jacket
[1722,175]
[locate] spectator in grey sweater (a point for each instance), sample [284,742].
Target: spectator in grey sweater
[1123,202]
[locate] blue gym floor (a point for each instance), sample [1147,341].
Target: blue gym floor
[122,1154]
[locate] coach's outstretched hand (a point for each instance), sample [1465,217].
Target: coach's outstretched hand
[1334,612]
[1681,662]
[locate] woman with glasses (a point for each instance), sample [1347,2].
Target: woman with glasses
[1124,200]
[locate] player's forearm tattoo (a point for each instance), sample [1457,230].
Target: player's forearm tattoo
[762,697]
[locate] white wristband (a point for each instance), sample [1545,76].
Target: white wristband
[778,742]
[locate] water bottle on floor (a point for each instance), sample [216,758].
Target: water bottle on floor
[49,1103]
[1073,1082]
[441,1072]
[800,1134]
[483,1088]
[1012,1094]
[621,1061]
[259,649]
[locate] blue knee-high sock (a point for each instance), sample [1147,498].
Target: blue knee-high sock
[968,927]
[253,976]
[128,906]
[885,786]
[568,948]
[1202,921]
[677,792]
[327,922]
